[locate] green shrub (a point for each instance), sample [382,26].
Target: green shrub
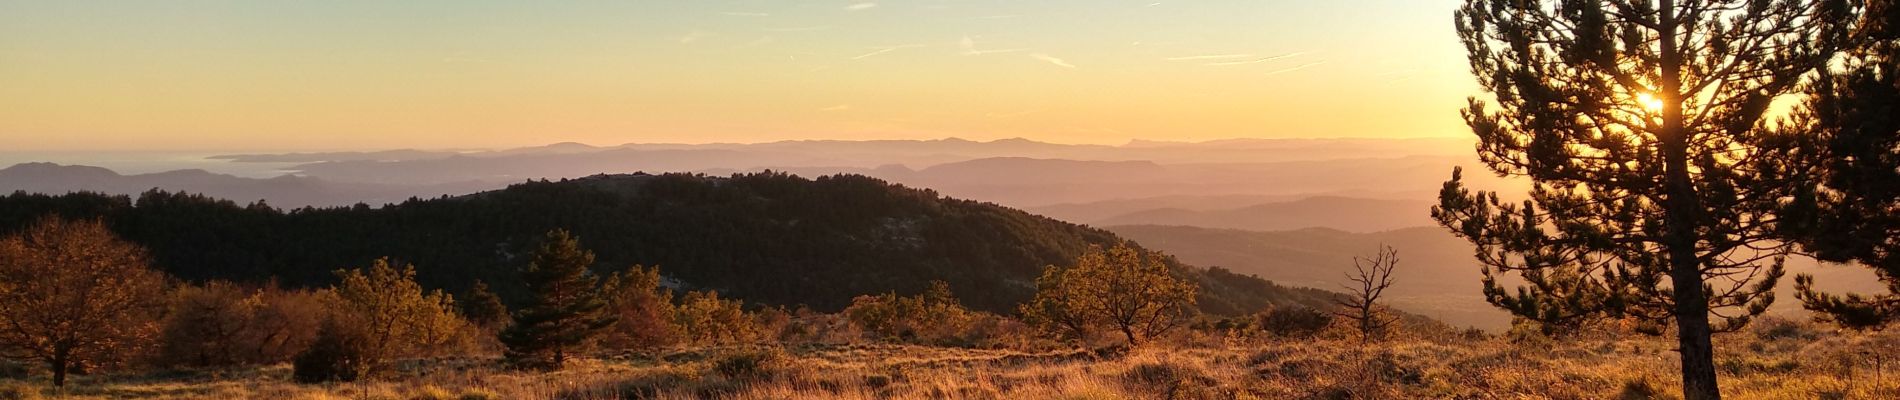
[1294,322]
[336,356]
[752,363]
[1774,328]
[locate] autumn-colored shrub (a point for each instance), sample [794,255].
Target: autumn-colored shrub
[704,319]
[643,309]
[224,324]
[376,315]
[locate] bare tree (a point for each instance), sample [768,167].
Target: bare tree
[1370,278]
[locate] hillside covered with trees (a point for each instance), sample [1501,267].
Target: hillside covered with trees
[769,238]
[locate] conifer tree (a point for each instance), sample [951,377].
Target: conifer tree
[564,312]
[1637,123]
[1846,139]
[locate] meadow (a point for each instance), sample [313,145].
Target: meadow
[1773,359]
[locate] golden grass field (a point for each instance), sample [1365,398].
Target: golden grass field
[1771,360]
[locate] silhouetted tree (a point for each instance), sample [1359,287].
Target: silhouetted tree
[1126,289]
[564,312]
[1635,121]
[1846,140]
[72,293]
[1370,278]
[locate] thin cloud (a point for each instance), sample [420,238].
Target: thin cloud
[1052,60]
[1258,60]
[1295,68]
[799,28]
[860,6]
[1208,57]
[693,36]
[969,48]
[885,49]
[761,41]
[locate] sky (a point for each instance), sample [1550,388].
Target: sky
[343,75]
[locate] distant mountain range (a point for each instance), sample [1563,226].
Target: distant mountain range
[286,191]
[867,153]
[1336,212]
[1012,172]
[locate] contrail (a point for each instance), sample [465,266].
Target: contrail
[1053,60]
[1209,57]
[1258,60]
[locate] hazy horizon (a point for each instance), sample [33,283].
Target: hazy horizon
[283,77]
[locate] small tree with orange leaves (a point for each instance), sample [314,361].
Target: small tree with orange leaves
[73,294]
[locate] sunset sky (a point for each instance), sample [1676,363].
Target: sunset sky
[332,75]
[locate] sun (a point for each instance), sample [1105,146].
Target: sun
[1649,101]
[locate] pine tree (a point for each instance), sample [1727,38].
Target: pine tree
[483,308]
[564,313]
[1846,137]
[1637,122]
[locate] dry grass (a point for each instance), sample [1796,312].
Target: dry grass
[1769,362]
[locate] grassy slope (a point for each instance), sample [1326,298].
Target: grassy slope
[1774,360]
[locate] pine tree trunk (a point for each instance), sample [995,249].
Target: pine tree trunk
[1692,329]
[1682,211]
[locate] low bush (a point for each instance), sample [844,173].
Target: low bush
[750,363]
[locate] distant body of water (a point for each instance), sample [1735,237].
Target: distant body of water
[130,163]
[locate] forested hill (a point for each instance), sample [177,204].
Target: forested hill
[769,237]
